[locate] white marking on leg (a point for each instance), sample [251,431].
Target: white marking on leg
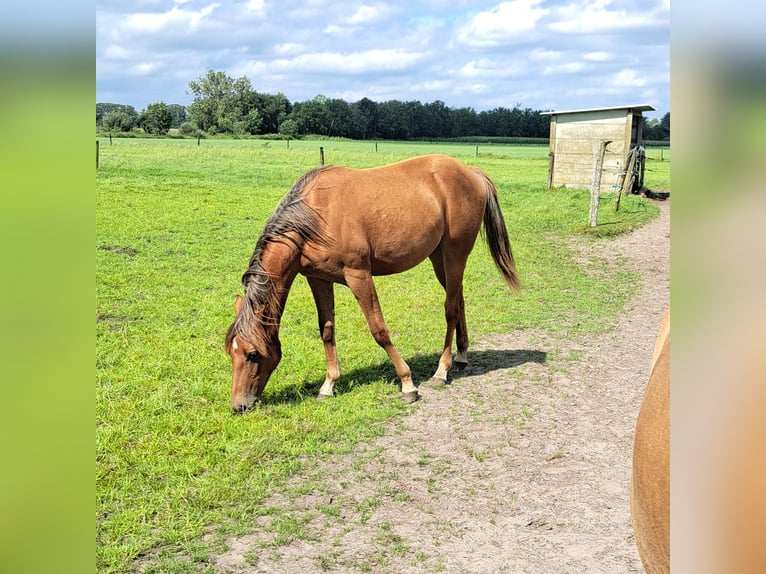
[327,387]
[408,386]
[441,373]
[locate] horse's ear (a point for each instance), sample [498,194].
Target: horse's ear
[237,304]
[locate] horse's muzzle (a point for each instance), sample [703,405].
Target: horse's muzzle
[241,408]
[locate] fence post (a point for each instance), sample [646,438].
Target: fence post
[596,187]
[96,154]
[321,156]
[551,160]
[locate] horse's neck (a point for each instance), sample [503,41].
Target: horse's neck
[281,263]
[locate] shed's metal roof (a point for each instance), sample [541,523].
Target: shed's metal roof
[636,107]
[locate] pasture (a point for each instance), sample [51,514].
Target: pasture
[176,473]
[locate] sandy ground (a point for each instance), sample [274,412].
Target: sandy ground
[520,465]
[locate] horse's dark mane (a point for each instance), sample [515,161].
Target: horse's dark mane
[291,216]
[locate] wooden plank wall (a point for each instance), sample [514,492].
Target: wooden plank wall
[575,141]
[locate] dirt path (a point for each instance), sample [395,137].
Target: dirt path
[523,467]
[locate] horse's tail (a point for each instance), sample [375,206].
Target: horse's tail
[496,235]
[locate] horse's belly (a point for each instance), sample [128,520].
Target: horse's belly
[395,255]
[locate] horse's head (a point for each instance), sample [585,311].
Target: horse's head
[251,366]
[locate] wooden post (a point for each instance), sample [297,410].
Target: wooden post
[110,139]
[198,138]
[477,151]
[321,156]
[627,181]
[550,169]
[96,154]
[596,186]
[376,147]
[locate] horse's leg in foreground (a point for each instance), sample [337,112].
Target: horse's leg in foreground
[324,298]
[454,311]
[361,285]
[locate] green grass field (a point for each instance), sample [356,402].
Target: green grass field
[176,224]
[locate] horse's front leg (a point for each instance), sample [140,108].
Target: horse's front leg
[324,298]
[361,285]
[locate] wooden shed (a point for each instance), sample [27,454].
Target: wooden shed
[575,141]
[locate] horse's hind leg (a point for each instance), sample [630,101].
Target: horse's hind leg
[324,298]
[454,309]
[361,285]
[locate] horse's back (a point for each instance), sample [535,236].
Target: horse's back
[396,215]
[650,484]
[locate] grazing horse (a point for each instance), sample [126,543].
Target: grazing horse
[342,225]
[650,484]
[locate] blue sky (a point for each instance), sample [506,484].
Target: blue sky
[539,54]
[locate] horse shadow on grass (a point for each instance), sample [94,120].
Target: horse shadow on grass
[422,367]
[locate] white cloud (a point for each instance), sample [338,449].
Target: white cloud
[335,30]
[115,52]
[597,56]
[566,68]
[289,49]
[503,23]
[597,16]
[490,70]
[366,14]
[481,55]
[628,78]
[353,63]
[539,55]
[255,5]
[144,68]
[153,22]
[474,69]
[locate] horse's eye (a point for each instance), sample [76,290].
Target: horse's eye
[253,357]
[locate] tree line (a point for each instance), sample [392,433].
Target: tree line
[225,105]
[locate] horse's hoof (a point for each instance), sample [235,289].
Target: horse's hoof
[438,382]
[321,397]
[410,397]
[459,365]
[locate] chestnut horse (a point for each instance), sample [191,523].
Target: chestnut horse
[650,482]
[342,225]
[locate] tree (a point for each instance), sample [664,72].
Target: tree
[393,121]
[119,121]
[364,119]
[658,130]
[117,117]
[156,118]
[312,116]
[338,117]
[664,128]
[274,110]
[178,113]
[223,104]
[289,128]
[214,104]
[252,122]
